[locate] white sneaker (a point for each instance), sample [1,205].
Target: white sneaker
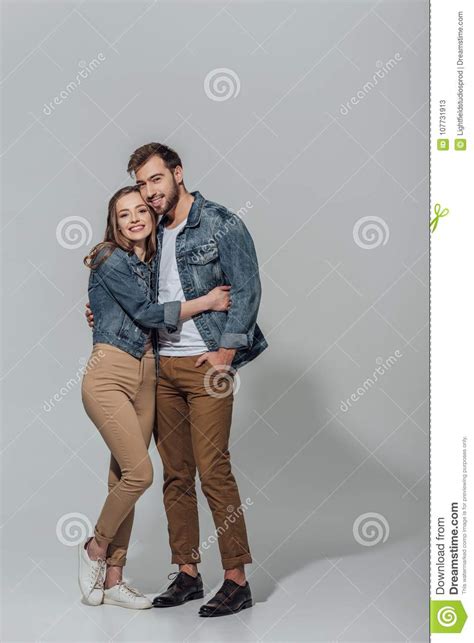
[123,595]
[91,577]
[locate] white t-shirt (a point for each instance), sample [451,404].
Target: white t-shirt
[186,340]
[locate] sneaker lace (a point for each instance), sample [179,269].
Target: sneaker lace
[130,591]
[98,575]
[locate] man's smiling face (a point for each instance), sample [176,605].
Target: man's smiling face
[158,185]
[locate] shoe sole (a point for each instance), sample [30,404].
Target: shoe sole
[119,604]
[84,601]
[191,597]
[244,606]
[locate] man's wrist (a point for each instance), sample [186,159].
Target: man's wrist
[226,355]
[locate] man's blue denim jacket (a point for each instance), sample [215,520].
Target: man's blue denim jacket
[215,248]
[123,298]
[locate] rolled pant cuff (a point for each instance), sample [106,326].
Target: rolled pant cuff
[102,540]
[114,562]
[230,563]
[185,559]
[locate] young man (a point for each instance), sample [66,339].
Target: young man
[200,245]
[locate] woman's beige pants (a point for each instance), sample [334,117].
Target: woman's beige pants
[118,392]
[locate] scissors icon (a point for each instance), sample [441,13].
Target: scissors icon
[439,213]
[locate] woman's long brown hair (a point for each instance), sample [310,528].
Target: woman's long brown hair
[113,238]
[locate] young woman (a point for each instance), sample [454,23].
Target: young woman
[118,388]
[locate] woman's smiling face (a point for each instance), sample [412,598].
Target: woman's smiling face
[133,217]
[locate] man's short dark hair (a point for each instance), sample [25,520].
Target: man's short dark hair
[141,155]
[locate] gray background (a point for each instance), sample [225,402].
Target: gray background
[331,308]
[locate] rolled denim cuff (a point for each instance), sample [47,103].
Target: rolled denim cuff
[234,340]
[171,313]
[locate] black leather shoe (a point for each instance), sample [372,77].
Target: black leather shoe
[183,588]
[230,599]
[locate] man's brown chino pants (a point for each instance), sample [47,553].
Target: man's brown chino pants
[193,426]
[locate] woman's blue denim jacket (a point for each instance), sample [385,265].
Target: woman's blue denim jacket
[123,297]
[215,248]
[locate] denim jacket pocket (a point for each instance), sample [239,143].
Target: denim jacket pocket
[201,255]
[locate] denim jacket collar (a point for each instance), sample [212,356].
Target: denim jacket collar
[194,216]
[136,261]
[133,258]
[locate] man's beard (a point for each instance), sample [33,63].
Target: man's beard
[169,201]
